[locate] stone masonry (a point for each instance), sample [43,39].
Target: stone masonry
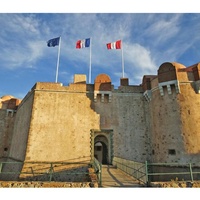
[158,120]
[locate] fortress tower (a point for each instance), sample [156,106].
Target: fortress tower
[174,104]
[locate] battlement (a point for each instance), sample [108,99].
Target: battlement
[171,75]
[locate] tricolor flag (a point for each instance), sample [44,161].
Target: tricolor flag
[83,43]
[114,45]
[117,45]
[53,42]
[86,43]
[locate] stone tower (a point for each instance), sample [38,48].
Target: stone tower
[174,105]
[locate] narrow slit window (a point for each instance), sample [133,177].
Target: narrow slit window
[172,152]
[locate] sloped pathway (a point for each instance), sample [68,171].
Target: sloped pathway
[113,177]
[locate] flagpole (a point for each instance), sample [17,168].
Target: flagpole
[90,67]
[58,60]
[122,61]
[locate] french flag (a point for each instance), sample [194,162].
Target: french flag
[83,43]
[114,45]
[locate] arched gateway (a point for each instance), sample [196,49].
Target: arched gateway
[102,145]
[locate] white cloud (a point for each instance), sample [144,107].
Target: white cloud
[17,56]
[20,41]
[149,40]
[163,27]
[35,50]
[139,56]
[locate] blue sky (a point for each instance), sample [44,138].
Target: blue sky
[149,39]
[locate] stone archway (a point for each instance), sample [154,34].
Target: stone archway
[101,149]
[102,146]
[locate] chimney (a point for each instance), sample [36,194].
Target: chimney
[124,82]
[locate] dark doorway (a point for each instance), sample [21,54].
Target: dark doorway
[101,149]
[105,154]
[101,145]
[101,152]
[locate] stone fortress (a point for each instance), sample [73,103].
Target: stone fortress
[157,121]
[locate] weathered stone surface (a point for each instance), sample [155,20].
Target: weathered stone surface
[15,184]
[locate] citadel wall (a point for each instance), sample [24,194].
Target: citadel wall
[54,122]
[127,117]
[60,124]
[157,121]
[8,107]
[166,127]
[124,111]
[21,129]
[6,129]
[190,121]
[175,117]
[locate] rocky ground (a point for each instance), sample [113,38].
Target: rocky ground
[176,184]
[34,184]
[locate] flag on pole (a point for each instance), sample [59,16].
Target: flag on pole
[117,45]
[114,45]
[86,43]
[83,43]
[53,42]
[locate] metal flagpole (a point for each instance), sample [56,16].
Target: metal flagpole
[90,67]
[58,59]
[122,60]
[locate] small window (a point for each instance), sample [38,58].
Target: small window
[172,151]
[6,149]
[153,152]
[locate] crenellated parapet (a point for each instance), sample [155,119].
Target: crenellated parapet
[170,77]
[168,85]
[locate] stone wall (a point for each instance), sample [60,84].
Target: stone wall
[166,127]
[21,129]
[174,110]
[55,122]
[131,137]
[6,129]
[8,107]
[2,131]
[60,124]
[189,102]
[126,115]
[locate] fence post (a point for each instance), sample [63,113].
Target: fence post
[191,172]
[51,169]
[32,171]
[100,173]
[147,176]
[1,165]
